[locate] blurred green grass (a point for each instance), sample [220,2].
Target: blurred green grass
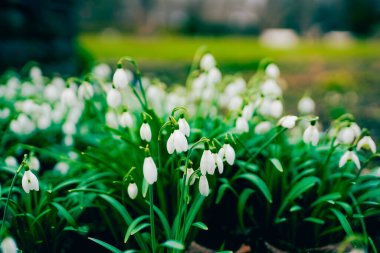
[226,49]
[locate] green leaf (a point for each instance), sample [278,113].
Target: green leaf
[296,191]
[343,221]
[164,221]
[173,245]
[326,198]
[200,225]
[133,225]
[259,183]
[303,174]
[65,214]
[373,246]
[106,245]
[139,228]
[244,196]
[194,209]
[221,191]
[277,164]
[314,220]
[295,208]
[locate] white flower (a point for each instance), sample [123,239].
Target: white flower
[69,128]
[288,121]
[114,99]
[248,111]
[62,168]
[4,113]
[132,190]
[11,161]
[189,173]
[30,182]
[355,128]
[228,152]
[272,71]
[207,162]
[271,88]
[263,127]
[126,120]
[276,108]
[111,119]
[235,103]
[218,163]
[68,97]
[149,170]
[145,132]
[85,91]
[203,186]
[177,142]
[346,135]
[367,143]
[184,126]
[349,155]
[102,71]
[8,245]
[120,78]
[242,125]
[214,76]
[34,163]
[306,105]
[311,135]
[207,62]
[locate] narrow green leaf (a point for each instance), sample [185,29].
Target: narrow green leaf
[133,225]
[277,164]
[65,214]
[244,196]
[373,246]
[200,225]
[295,208]
[139,228]
[314,220]
[106,245]
[326,198]
[343,222]
[259,183]
[222,190]
[173,245]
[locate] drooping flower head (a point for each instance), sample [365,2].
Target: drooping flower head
[207,164]
[30,181]
[311,134]
[149,168]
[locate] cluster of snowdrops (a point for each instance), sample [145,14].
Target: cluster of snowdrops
[134,134]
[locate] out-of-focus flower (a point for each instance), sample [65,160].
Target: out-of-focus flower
[126,119]
[120,78]
[272,71]
[367,143]
[85,91]
[8,245]
[114,98]
[306,105]
[132,190]
[207,62]
[349,155]
[242,125]
[263,127]
[311,135]
[288,121]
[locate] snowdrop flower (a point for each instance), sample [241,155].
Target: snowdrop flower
[271,88]
[367,143]
[44,122]
[349,155]
[242,125]
[306,105]
[228,152]
[207,62]
[218,163]
[214,76]
[276,108]
[184,126]
[68,140]
[132,190]
[189,173]
[204,189]
[263,127]
[235,103]
[114,99]
[69,128]
[288,121]
[68,97]
[85,91]
[11,161]
[348,134]
[4,113]
[126,119]
[207,163]
[111,119]
[120,78]
[102,71]
[177,142]
[149,170]
[8,245]
[62,168]
[272,71]
[30,182]
[145,132]
[34,163]
[311,134]
[248,110]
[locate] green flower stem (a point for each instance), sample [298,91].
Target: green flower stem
[10,192]
[152,227]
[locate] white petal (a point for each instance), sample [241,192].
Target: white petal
[219,163]
[132,190]
[344,158]
[355,159]
[372,145]
[242,125]
[288,121]
[30,182]
[207,162]
[184,127]
[8,245]
[170,144]
[149,170]
[230,154]
[203,186]
[222,152]
[120,78]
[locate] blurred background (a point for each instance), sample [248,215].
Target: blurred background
[329,49]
